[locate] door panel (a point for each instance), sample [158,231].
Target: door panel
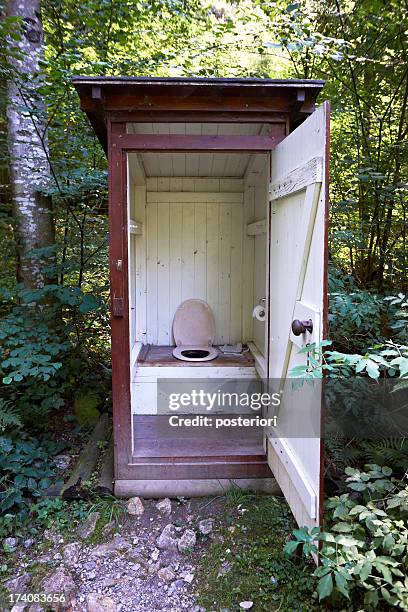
[297,269]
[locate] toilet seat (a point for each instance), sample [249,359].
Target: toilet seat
[194,331]
[212,353]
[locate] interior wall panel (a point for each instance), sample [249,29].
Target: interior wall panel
[194,250]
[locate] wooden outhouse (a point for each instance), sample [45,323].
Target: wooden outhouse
[217,194]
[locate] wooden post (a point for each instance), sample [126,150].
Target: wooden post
[118,260]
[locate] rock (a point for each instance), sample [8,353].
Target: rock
[206,526]
[187,541]
[135,506]
[178,584]
[225,567]
[52,536]
[18,584]
[18,608]
[155,554]
[62,461]
[109,527]
[166,574]
[96,602]
[60,583]
[110,582]
[246,605]
[118,544]
[28,542]
[89,565]
[187,577]
[10,544]
[87,528]
[71,553]
[164,506]
[35,608]
[167,539]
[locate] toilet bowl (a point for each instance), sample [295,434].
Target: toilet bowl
[194,331]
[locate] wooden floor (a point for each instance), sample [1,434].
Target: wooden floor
[151,356]
[162,451]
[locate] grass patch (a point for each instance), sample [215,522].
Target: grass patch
[110,509]
[250,551]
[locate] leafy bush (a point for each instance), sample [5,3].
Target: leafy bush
[34,334]
[385,359]
[42,351]
[9,416]
[25,471]
[58,514]
[365,550]
[389,451]
[359,318]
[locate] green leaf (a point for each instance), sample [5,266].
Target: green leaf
[341,584]
[290,547]
[343,527]
[325,586]
[371,598]
[356,510]
[372,369]
[365,571]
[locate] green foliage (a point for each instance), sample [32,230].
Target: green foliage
[387,359]
[110,509]
[42,350]
[25,471]
[58,514]
[85,407]
[389,451]
[9,416]
[364,551]
[359,318]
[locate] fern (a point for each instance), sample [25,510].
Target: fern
[392,452]
[9,416]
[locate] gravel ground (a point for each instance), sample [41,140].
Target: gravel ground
[145,562]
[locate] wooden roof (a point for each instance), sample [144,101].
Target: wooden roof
[181,99]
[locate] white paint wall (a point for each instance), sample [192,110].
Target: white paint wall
[132,261]
[196,245]
[255,263]
[194,250]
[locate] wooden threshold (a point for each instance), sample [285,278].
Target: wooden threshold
[161,451]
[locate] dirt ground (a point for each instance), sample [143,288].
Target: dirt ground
[145,561]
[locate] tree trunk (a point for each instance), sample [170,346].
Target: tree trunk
[30,171]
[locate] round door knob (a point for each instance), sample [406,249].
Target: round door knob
[300,327]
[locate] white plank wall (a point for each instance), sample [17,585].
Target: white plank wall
[140,267]
[190,184]
[194,250]
[200,249]
[255,250]
[260,254]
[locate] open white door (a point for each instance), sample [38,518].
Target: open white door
[297,291]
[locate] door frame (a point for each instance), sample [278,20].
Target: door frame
[120,143]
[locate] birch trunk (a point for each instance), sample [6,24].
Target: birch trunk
[30,171]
